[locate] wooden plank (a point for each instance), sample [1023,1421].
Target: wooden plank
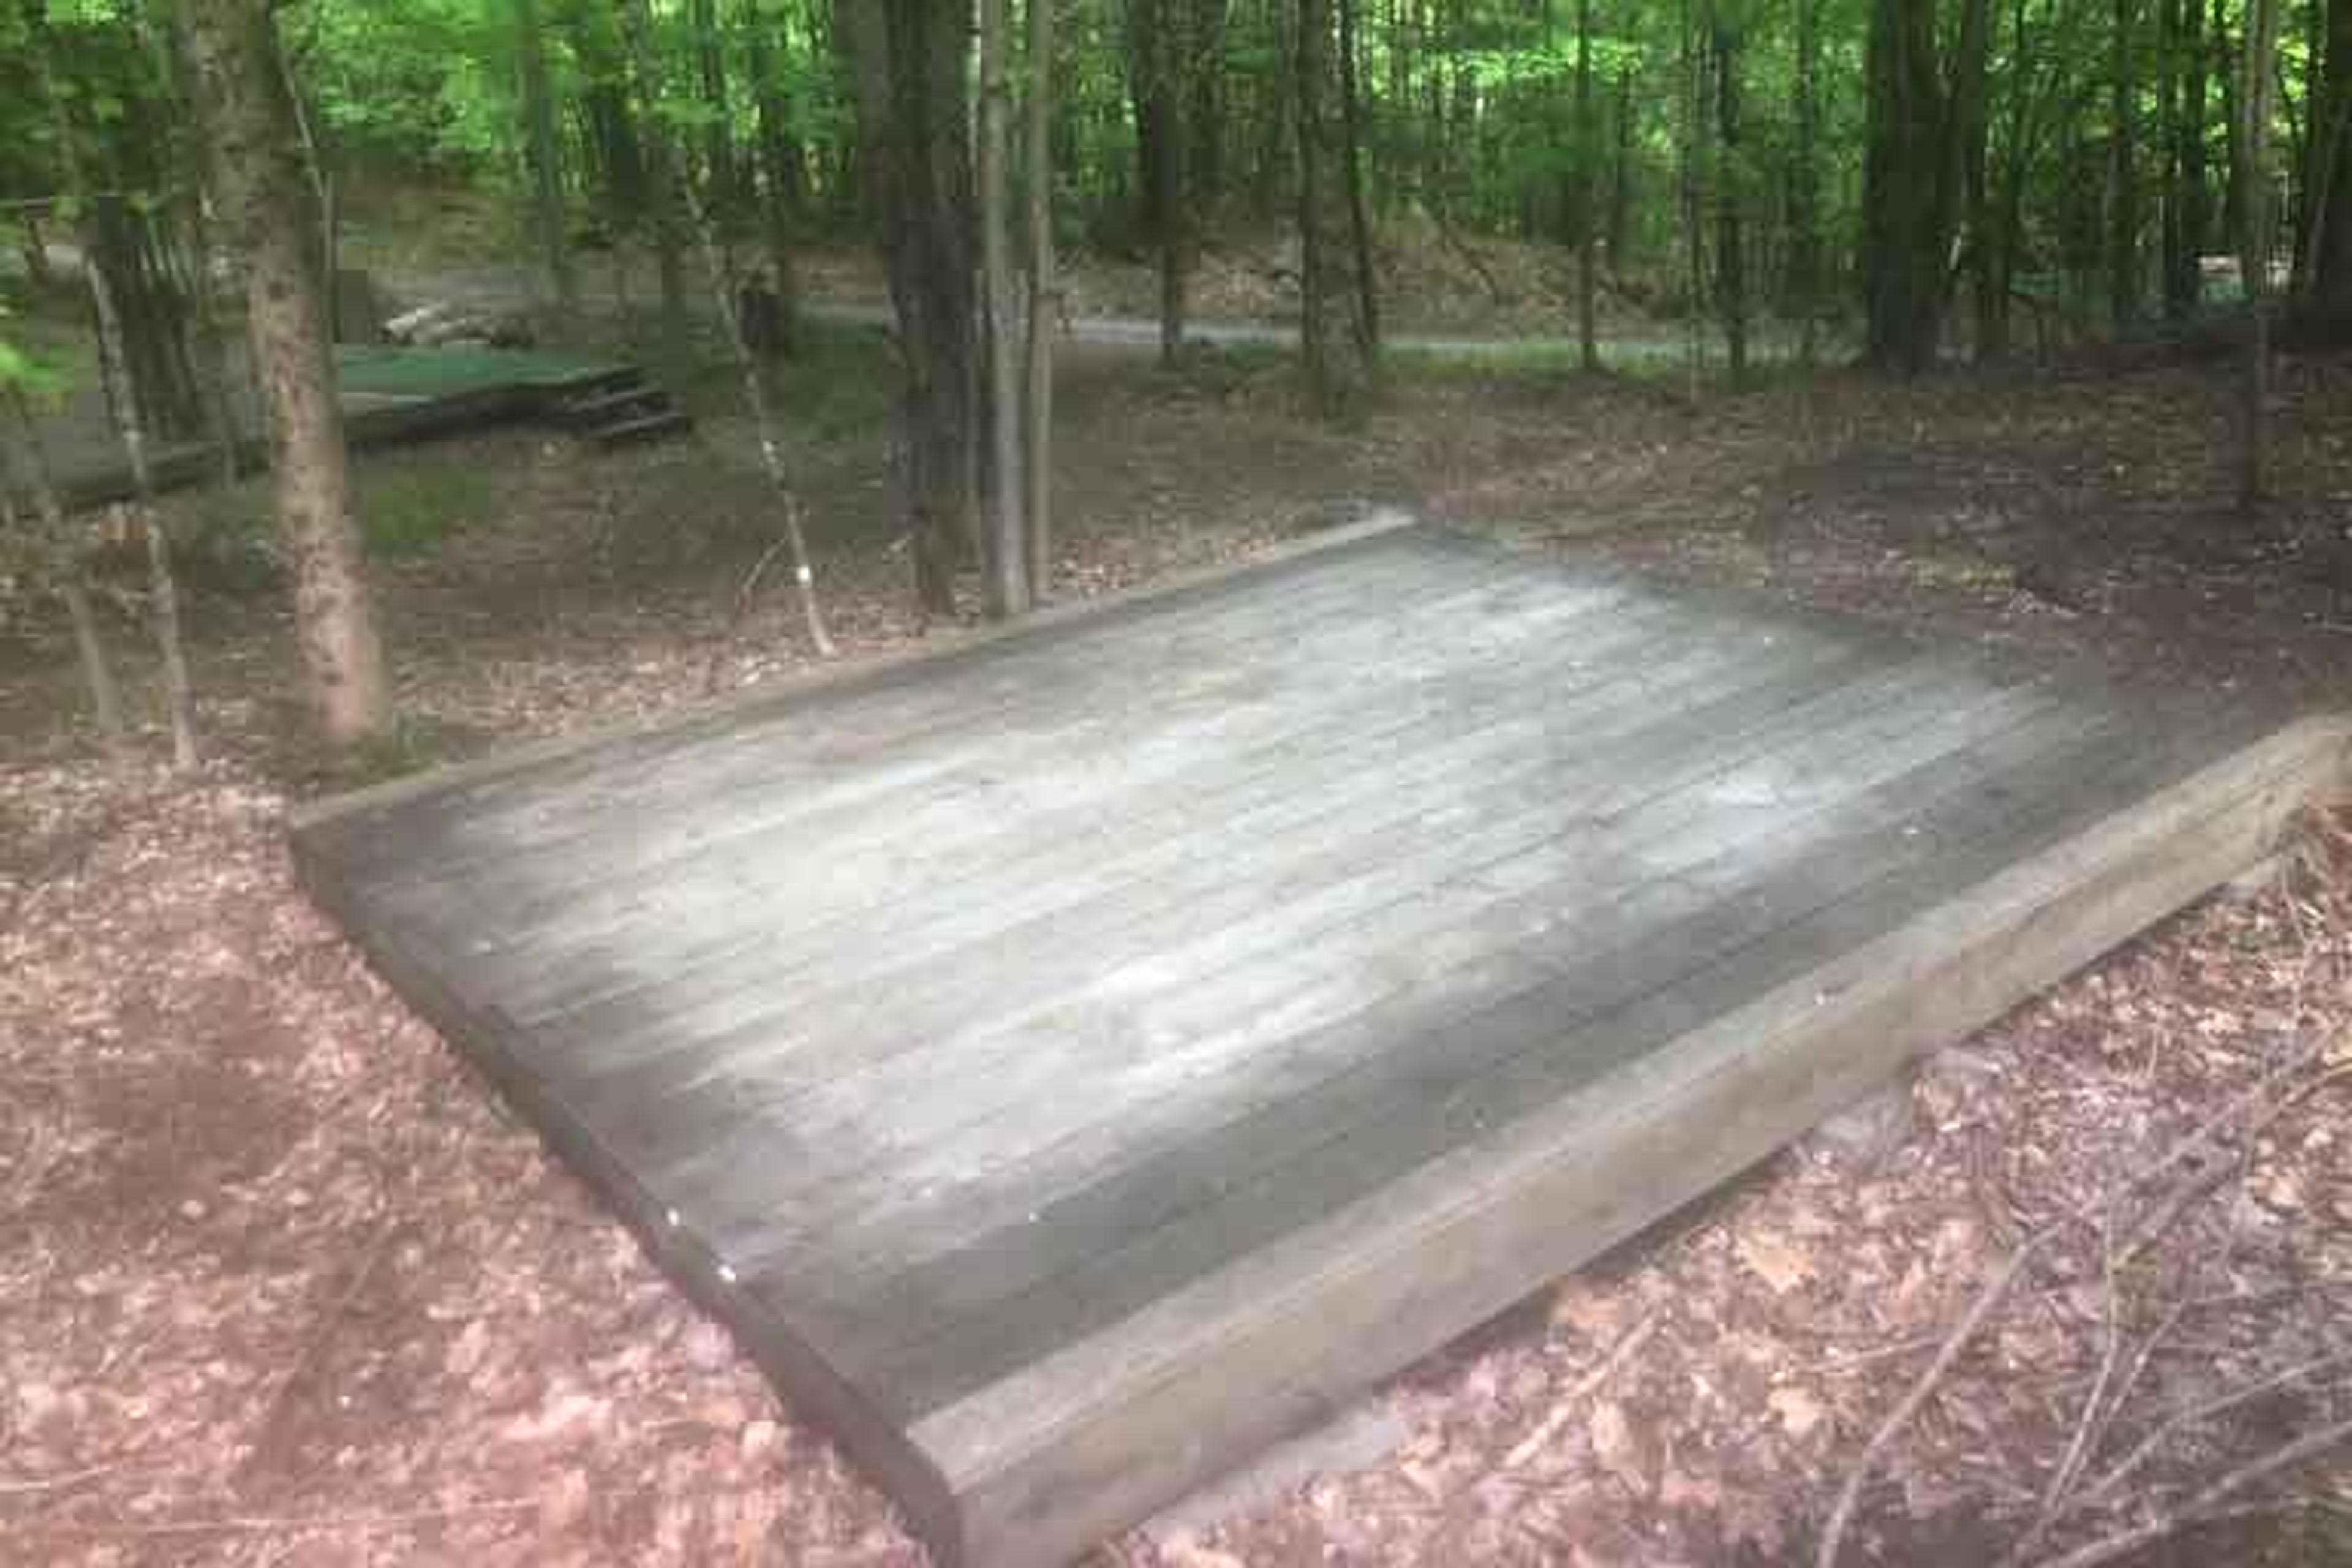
[1206,649]
[954,798]
[901,1270]
[351,826]
[1111,874]
[1071,1447]
[902,1102]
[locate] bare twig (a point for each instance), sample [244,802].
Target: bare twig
[1564,1408]
[250,1524]
[742,609]
[2095,1414]
[32,1486]
[2210,1506]
[1989,1296]
[2203,1410]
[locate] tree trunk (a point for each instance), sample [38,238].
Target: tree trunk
[2123,177]
[130,396]
[723,182]
[780,184]
[2185,285]
[1351,169]
[24,467]
[1007,556]
[2330,178]
[1621,184]
[1805,186]
[637,29]
[666,192]
[1903,240]
[909,60]
[2254,239]
[546,171]
[232,47]
[1731,240]
[1588,156]
[1044,304]
[1333,339]
[1159,71]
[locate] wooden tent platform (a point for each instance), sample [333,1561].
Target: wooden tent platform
[390,396]
[1073,1058]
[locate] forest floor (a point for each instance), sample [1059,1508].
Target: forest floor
[283,1285]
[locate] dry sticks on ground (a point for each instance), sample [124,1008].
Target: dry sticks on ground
[2128,1219]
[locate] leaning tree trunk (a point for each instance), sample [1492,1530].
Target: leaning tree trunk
[131,383]
[909,60]
[637,27]
[1335,337]
[24,466]
[260,189]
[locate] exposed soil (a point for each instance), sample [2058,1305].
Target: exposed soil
[282,1284]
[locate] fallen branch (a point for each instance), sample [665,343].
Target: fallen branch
[1564,1409]
[1923,1387]
[2207,1506]
[248,1524]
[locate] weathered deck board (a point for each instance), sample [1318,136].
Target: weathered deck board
[1075,1058]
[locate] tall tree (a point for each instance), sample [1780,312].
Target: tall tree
[63,568]
[122,374]
[1335,334]
[1731,242]
[260,189]
[1805,183]
[909,62]
[2329,177]
[543,155]
[780,166]
[2254,237]
[1045,302]
[1005,554]
[1918,130]
[1588,185]
[2122,173]
[636,27]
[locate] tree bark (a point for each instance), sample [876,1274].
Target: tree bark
[24,466]
[1044,304]
[1905,235]
[637,27]
[780,183]
[232,48]
[130,396]
[2329,177]
[1006,557]
[1588,157]
[1731,244]
[1336,338]
[2123,241]
[2254,239]
[909,61]
[544,156]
